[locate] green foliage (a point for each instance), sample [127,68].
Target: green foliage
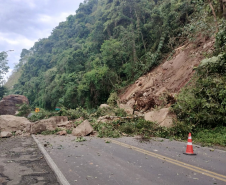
[24,110]
[73,113]
[131,127]
[3,66]
[209,137]
[43,114]
[3,91]
[120,112]
[104,111]
[203,102]
[112,100]
[220,43]
[106,45]
[51,132]
[80,139]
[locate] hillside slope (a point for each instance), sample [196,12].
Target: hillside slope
[105,46]
[159,86]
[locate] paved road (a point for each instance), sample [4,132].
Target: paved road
[126,161]
[21,163]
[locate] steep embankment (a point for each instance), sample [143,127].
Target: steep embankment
[159,86]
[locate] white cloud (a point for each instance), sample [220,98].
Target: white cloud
[23,22]
[15,39]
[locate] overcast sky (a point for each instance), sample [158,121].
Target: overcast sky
[23,22]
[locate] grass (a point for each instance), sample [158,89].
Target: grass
[50,132]
[209,137]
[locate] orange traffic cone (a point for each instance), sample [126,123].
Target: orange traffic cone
[189,150]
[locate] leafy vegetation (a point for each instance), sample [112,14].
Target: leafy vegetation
[24,110]
[3,66]
[105,46]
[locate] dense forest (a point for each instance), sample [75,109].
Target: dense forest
[107,45]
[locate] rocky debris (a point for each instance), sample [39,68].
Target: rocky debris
[38,128]
[62,133]
[163,117]
[22,126]
[8,105]
[128,108]
[104,106]
[79,119]
[108,119]
[66,125]
[53,122]
[5,134]
[83,129]
[159,86]
[50,124]
[12,123]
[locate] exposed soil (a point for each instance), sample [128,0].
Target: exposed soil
[160,85]
[21,163]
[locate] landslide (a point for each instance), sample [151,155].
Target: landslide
[161,84]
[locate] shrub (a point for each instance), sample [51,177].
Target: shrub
[24,110]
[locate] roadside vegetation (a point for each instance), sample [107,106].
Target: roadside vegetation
[107,45]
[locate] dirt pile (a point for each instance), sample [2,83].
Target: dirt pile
[160,85]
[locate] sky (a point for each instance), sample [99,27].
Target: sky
[24,22]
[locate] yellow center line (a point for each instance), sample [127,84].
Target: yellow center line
[173,161]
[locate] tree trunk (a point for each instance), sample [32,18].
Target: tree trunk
[139,30]
[214,14]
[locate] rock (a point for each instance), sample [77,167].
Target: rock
[38,128]
[62,133]
[162,117]
[128,109]
[79,119]
[104,106]
[67,124]
[11,123]
[8,104]
[5,134]
[29,115]
[107,119]
[139,114]
[83,129]
[18,132]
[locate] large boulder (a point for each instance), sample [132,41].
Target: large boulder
[163,117]
[83,129]
[49,124]
[10,123]
[8,105]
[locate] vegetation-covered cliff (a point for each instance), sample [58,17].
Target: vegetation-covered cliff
[106,45]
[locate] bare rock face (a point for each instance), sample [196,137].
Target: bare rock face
[83,129]
[8,104]
[162,117]
[11,123]
[5,134]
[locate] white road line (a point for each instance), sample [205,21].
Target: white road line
[52,164]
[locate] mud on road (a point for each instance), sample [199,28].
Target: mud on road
[21,163]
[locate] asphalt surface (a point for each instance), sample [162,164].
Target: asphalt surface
[21,163]
[127,161]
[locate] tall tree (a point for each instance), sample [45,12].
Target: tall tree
[3,66]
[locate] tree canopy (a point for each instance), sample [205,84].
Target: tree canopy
[106,45]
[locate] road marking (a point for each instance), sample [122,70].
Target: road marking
[173,161]
[51,163]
